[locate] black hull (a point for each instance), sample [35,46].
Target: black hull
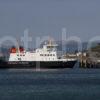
[27,65]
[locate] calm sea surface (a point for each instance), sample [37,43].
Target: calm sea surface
[62,84]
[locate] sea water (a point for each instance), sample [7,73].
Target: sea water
[58,84]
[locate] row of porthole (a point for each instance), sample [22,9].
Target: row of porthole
[47,54]
[20,55]
[43,59]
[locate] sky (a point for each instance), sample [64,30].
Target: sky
[81,18]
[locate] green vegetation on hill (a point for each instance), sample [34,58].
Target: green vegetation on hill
[96,48]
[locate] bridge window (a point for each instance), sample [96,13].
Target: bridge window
[47,54]
[19,59]
[53,54]
[50,54]
[41,54]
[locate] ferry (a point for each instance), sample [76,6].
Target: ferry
[46,56]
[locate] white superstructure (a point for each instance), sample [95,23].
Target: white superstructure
[47,53]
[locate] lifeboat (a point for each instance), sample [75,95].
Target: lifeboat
[14,49]
[21,49]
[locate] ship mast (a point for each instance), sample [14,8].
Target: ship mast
[18,47]
[50,41]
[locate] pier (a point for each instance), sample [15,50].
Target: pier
[85,61]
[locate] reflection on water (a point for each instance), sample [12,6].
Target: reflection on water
[64,84]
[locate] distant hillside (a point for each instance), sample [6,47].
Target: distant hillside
[96,48]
